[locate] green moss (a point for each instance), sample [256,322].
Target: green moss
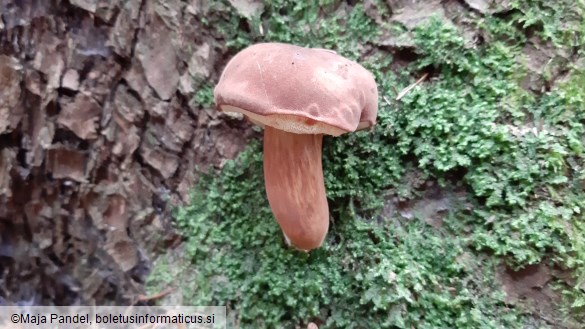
[369,274]
[203,97]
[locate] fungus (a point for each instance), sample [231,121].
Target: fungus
[298,95]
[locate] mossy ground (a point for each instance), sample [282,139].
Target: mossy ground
[472,125]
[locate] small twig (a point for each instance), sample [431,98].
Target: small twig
[387,100]
[143,298]
[409,88]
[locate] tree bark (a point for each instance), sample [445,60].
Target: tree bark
[98,139]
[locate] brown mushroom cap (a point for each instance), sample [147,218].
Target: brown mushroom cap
[298,90]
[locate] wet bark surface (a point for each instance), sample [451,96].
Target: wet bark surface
[98,140]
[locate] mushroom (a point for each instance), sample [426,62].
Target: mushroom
[298,95]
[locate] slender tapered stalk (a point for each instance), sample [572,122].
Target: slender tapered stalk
[295,187]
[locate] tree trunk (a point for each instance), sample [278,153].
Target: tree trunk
[98,140]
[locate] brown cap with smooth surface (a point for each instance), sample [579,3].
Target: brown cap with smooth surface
[298,90]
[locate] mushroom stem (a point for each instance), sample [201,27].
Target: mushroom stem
[295,186]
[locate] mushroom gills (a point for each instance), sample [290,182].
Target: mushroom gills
[295,186]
